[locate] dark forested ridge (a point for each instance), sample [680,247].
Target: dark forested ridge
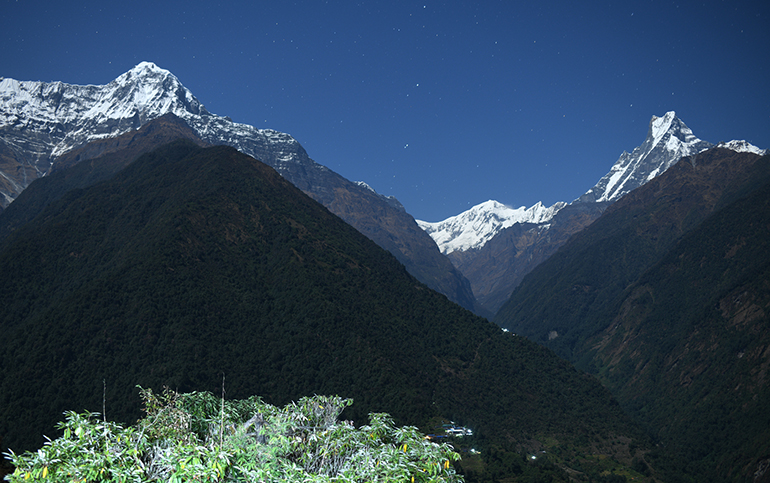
[557,303]
[194,263]
[380,218]
[666,298]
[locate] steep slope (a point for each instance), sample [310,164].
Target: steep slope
[687,347]
[664,298]
[194,264]
[41,121]
[495,246]
[586,274]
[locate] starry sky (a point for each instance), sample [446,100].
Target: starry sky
[442,104]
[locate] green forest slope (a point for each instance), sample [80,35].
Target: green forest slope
[666,299]
[194,263]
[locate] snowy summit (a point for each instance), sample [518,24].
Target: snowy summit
[66,116]
[668,140]
[473,228]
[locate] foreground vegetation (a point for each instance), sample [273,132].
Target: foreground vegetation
[198,437]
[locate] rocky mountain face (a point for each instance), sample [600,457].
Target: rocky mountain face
[665,298]
[668,140]
[495,255]
[40,122]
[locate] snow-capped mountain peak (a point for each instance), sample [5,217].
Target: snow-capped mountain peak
[65,116]
[659,126]
[144,67]
[668,140]
[143,93]
[473,228]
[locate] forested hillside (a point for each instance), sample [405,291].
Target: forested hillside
[666,300]
[192,264]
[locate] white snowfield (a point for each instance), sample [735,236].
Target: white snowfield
[743,147]
[475,227]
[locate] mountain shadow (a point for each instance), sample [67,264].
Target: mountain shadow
[665,299]
[198,268]
[79,168]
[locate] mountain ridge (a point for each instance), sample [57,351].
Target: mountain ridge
[494,271]
[473,228]
[79,168]
[661,212]
[665,299]
[41,121]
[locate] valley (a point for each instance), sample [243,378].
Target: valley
[146,241]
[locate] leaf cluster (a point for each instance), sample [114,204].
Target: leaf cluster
[197,437]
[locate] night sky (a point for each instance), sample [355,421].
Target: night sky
[442,104]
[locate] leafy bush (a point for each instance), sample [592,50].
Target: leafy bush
[198,437]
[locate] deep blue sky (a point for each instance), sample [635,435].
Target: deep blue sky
[444,104]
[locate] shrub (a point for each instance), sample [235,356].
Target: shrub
[198,437]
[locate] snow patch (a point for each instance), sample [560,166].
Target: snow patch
[741,146]
[365,186]
[659,126]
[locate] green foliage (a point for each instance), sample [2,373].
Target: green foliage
[196,437]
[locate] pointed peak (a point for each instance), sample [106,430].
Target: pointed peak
[660,125]
[490,205]
[667,117]
[668,140]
